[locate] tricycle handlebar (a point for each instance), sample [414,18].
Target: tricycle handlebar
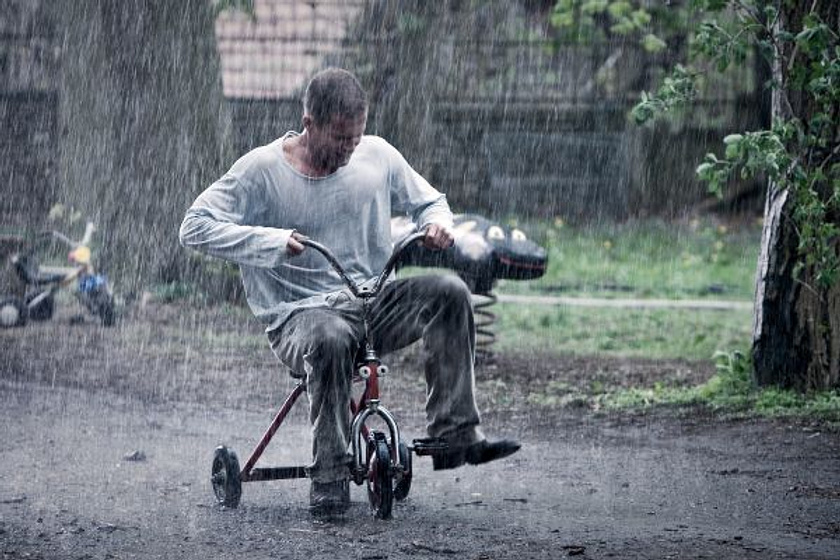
[386,272]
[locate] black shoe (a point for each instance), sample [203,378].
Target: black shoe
[475,454]
[329,498]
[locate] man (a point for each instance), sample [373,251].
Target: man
[338,186]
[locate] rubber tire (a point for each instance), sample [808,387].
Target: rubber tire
[227,486]
[380,482]
[13,312]
[107,312]
[44,310]
[403,486]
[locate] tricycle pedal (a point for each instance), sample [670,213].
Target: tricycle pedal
[428,446]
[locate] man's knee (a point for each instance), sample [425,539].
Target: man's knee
[449,288]
[332,338]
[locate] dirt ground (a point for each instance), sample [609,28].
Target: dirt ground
[108,436]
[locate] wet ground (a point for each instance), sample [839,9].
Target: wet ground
[108,436]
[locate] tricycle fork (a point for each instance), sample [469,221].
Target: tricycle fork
[369,405]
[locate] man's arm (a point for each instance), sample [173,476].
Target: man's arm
[217,224]
[427,207]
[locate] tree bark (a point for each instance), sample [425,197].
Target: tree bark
[144,125]
[796,329]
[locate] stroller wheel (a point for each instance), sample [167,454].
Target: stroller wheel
[227,486]
[107,312]
[41,306]
[13,312]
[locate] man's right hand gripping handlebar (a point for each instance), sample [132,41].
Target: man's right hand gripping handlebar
[295,246]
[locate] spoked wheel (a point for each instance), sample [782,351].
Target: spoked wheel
[13,312]
[225,477]
[403,485]
[380,482]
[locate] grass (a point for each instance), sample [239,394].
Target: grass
[643,260]
[648,333]
[731,390]
[697,259]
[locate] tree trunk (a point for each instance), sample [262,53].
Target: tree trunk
[144,125]
[796,331]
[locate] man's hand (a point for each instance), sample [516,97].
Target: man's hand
[438,237]
[294,246]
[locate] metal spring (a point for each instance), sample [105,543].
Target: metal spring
[484,321]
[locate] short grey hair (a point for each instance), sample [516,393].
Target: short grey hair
[334,92]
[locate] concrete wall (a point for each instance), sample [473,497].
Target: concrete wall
[28,154]
[29,129]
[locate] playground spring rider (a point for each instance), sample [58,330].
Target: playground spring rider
[381,460]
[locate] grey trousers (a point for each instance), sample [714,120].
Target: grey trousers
[321,344]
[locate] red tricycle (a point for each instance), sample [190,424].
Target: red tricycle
[382,460]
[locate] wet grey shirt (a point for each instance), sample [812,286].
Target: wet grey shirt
[248,215]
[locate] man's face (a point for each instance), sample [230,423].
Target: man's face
[332,144]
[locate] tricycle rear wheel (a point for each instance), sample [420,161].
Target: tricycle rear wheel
[227,485]
[403,485]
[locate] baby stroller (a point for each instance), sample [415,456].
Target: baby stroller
[30,294]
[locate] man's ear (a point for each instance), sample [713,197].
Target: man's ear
[306,121]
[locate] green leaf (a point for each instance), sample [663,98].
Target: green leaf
[653,44]
[593,7]
[622,27]
[704,168]
[245,6]
[620,8]
[640,18]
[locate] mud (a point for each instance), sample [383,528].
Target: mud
[108,436]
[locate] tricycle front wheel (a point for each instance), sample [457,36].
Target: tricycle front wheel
[380,481]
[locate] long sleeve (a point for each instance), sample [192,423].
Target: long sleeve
[219,223]
[412,195]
